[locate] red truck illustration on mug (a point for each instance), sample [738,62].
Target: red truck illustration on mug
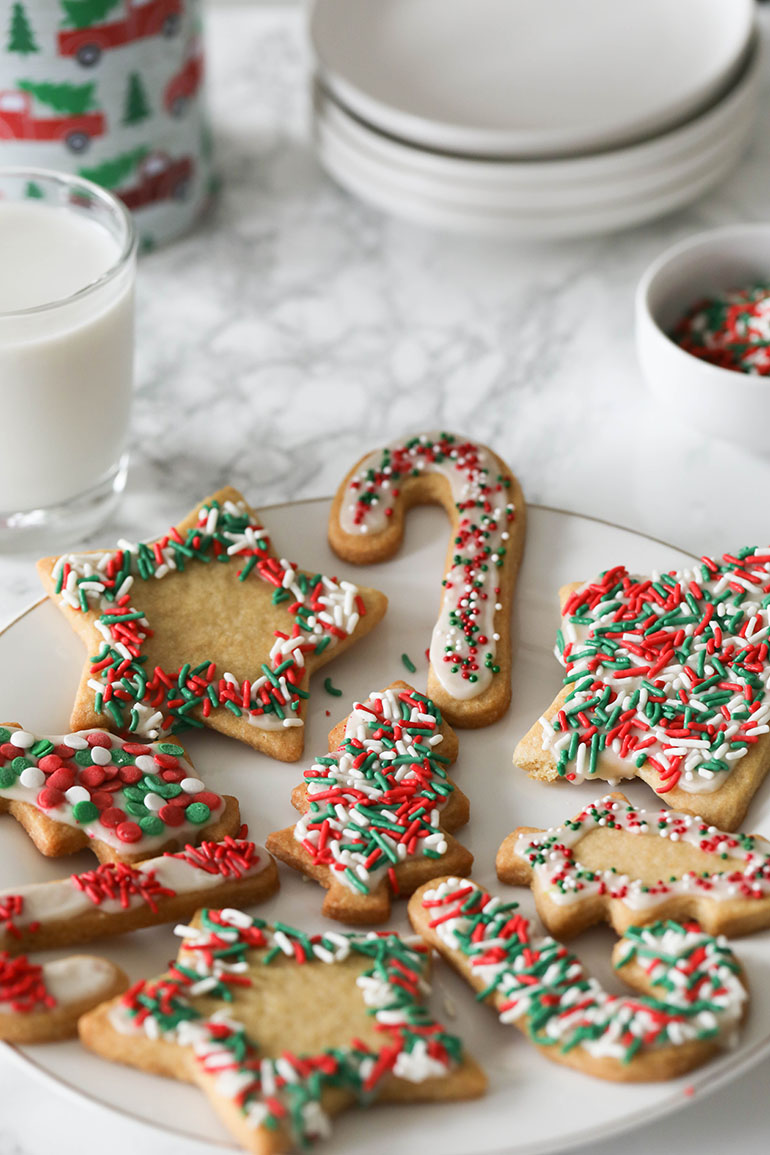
[158,177]
[182,87]
[93,34]
[19,121]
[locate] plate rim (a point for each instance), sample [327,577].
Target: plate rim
[631,1122]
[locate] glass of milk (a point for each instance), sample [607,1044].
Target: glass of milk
[67,268]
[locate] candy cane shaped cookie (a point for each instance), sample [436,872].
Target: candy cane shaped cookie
[692,993]
[627,866]
[470,651]
[42,1003]
[116,898]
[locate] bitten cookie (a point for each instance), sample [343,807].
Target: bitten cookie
[470,652]
[42,1003]
[116,898]
[693,996]
[666,680]
[120,798]
[283,1029]
[205,626]
[377,812]
[629,867]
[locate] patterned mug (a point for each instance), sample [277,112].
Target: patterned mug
[111,90]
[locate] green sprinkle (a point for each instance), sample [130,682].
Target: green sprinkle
[408,663]
[331,688]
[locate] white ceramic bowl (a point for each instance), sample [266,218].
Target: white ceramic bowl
[725,403]
[527,79]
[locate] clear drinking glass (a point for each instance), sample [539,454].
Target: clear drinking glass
[67,270]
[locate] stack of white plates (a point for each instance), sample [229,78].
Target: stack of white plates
[532,118]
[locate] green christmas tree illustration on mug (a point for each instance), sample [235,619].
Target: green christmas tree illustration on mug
[21,38]
[136,107]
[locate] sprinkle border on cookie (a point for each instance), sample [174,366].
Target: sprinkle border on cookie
[281,1100]
[150,702]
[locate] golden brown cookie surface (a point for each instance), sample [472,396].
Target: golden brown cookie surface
[470,652]
[205,626]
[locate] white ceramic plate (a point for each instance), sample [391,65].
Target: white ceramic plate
[391,191]
[528,78]
[592,175]
[40,658]
[338,133]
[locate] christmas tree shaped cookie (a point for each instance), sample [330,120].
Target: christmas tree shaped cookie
[205,627]
[627,866]
[377,812]
[666,680]
[470,650]
[122,799]
[283,1029]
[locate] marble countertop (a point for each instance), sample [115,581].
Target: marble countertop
[297,327]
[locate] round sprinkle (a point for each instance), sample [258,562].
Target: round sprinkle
[19,764]
[22,739]
[112,817]
[154,801]
[7,777]
[5,733]
[62,779]
[191,785]
[171,748]
[151,824]
[83,757]
[77,794]
[198,813]
[100,756]
[209,798]
[92,776]
[48,798]
[171,815]
[85,812]
[100,739]
[32,777]
[145,763]
[331,688]
[75,741]
[128,831]
[49,763]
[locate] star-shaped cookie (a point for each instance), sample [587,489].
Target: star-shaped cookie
[227,639]
[666,679]
[378,810]
[282,1029]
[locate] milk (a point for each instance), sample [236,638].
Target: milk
[66,368]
